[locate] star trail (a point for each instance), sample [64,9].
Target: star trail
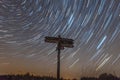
[94,25]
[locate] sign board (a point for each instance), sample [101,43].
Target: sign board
[63,41]
[51,39]
[67,45]
[66,41]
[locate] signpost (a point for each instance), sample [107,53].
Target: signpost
[61,43]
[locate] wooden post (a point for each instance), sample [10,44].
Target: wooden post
[58,62]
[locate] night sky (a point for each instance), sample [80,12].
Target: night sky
[93,24]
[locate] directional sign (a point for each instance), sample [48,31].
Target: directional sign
[51,39]
[66,39]
[67,45]
[63,41]
[56,40]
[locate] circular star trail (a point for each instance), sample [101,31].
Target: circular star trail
[93,24]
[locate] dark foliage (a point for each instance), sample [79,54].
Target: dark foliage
[25,77]
[104,76]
